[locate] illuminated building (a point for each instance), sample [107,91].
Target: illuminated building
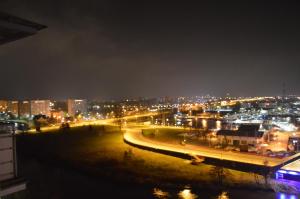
[246,135]
[13,107]
[24,108]
[40,107]
[59,106]
[27,108]
[59,115]
[76,106]
[3,105]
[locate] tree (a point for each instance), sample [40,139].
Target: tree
[39,121]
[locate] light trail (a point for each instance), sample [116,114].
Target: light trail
[109,121]
[134,136]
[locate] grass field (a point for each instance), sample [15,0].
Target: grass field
[101,152]
[175,136]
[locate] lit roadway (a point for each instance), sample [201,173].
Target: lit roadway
[232,102]
[133,135]
[109,121]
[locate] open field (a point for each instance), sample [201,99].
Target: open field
[175,135]
[100,151]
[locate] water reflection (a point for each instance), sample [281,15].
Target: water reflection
[158,193]
[218,124]
[223,195]
[204,123]
[187,194]
[286,196]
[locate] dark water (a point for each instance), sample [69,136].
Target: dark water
[207,123]
[190,193]
[47,181]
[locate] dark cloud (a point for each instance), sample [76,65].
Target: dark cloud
[112,49]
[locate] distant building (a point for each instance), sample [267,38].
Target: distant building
[76,106]
[245,135]
[13,107]
[58,115]
[60,105]
[24,108]
[268,105]
[40,107]
[3,105]
[166,100]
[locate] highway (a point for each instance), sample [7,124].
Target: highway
[109,121]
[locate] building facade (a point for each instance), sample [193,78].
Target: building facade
[13,107]
[247,135]
[40,107]
[24,108]
[3,105]
[76,106]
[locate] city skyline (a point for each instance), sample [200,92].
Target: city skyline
[139,99]
[110,50]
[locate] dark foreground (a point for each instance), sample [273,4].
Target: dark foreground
[95,163]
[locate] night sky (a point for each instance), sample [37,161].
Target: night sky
[112,49]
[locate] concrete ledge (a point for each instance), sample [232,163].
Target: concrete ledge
[12,186]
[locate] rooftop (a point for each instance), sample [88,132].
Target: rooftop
[245,130]
[293,166]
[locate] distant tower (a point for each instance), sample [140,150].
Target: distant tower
[283,90]
[227,95]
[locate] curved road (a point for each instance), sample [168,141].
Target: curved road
[134,136]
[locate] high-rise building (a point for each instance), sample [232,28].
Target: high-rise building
[3,105]
[76,106]
[13,107]
[40,107]
[60,105]
[24,108]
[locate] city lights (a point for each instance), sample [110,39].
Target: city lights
[121,99]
